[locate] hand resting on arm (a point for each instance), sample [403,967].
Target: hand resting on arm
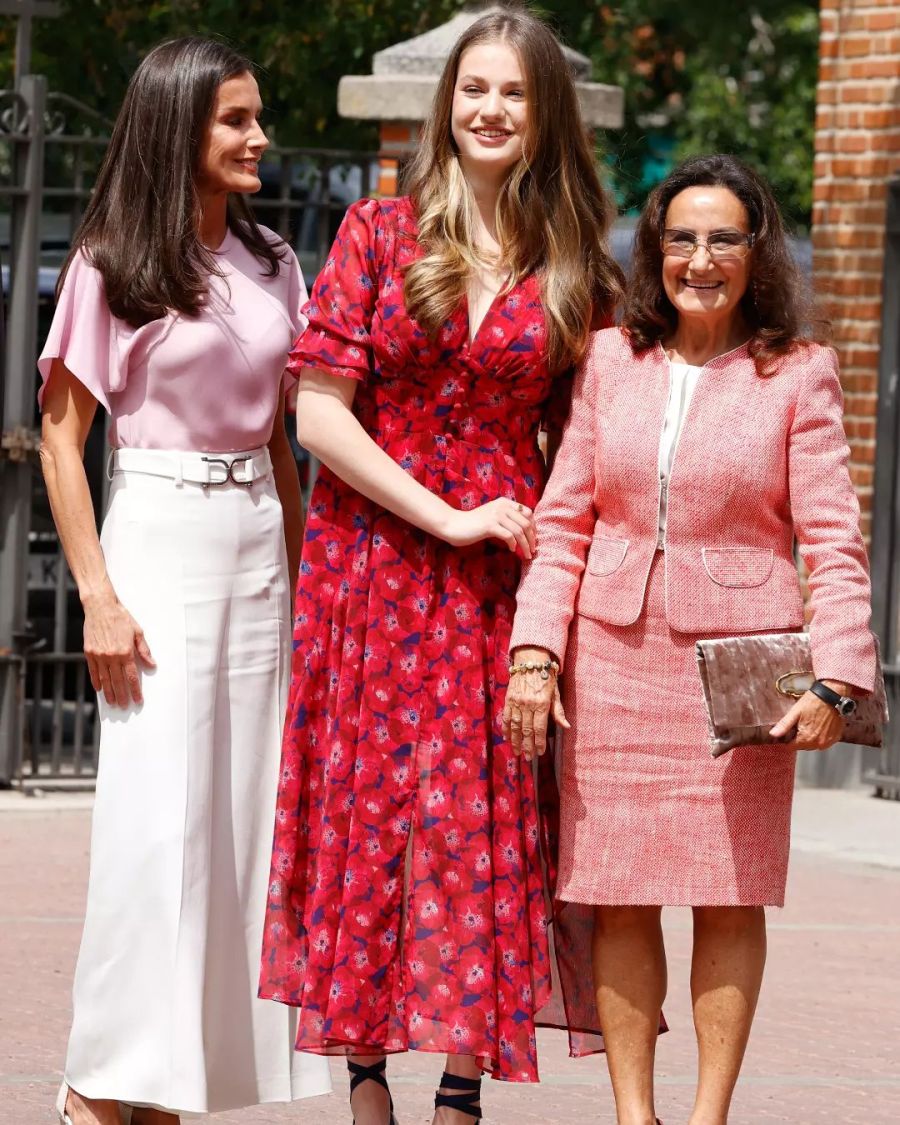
[328,428]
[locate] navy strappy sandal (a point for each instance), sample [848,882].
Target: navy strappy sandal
[469,1101]
[373,1073]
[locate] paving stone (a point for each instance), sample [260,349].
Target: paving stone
[824,1047]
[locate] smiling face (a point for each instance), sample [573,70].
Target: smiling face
[702,286]
[489,116]
[234,141]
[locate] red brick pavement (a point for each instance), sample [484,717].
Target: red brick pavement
[825,1047]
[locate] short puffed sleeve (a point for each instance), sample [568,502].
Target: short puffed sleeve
[84,335]
[340,308]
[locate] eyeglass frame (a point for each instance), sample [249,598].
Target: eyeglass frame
[698,242]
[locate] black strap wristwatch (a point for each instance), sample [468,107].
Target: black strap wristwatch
[843,704]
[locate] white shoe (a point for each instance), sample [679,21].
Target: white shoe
[61,1099]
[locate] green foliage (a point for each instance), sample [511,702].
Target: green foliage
[302,50]
[765,111]
[707,76]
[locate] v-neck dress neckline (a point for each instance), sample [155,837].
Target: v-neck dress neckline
[471,338]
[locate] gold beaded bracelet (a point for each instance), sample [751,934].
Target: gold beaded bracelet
[545,668]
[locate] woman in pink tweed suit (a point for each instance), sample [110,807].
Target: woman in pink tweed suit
[705,437]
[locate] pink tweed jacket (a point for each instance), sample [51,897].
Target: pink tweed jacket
[761,460]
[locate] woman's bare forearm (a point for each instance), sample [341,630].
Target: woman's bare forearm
[329,430]
[68,410]
[327,426]
[73,514]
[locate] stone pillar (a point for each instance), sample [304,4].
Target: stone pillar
[857,151]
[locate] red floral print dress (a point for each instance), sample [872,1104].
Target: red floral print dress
[406,906]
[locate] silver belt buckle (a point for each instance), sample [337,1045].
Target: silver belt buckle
[228,466]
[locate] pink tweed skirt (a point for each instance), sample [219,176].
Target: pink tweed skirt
[647,816]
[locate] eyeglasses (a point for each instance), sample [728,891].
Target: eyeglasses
[721,245]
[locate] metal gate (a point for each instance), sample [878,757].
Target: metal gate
[886,503]
[50,149]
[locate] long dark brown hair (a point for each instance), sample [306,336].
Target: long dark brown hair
[552,215]
[140,228]
[776,306]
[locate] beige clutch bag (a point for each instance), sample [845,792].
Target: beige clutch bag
[749,683]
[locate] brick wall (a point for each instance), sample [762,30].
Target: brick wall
[857,150]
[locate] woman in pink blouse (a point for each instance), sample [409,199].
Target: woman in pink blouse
[176,314]
[705,439]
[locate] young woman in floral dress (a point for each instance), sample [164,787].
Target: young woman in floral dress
[406,905]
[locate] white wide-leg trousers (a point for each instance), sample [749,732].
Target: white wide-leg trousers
[165,1005]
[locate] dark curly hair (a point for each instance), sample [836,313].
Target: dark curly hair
[777,305]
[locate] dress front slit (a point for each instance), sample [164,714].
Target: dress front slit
[397,784]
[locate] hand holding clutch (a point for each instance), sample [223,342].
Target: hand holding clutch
[815,724]
[750,684]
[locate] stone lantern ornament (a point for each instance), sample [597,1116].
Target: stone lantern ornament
[400,89]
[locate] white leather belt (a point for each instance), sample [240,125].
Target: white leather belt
[212,470]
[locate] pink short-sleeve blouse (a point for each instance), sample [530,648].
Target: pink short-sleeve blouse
[209,383]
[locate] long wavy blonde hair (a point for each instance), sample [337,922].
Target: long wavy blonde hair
[553,214]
